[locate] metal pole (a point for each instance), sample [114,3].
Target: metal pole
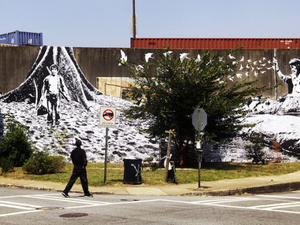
[133,19]
[199,153]
[199,169]
[275,77]
[105,160]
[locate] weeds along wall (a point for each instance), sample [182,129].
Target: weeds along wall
[96,63]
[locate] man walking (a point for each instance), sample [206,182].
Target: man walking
[79,160]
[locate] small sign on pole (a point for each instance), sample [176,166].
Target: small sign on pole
[107,119]
[107,116]
[199,121]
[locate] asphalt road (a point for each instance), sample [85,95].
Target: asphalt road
[22,206]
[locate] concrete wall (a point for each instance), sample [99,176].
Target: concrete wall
[15,63]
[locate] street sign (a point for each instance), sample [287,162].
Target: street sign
[107,116]
[107,119]
[199,120]
[199,115]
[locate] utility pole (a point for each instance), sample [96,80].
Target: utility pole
[133,19]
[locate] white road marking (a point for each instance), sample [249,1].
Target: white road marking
[19,204]
[18,213]
[219,202]
[284,206]
[70,200]
[278,205]
[278,196]
[114,203]
[15,207]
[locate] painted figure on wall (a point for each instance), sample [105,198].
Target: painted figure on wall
[292,80]
[53,88]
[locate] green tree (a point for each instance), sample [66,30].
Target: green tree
[255,151]
[174,88]
[15,146]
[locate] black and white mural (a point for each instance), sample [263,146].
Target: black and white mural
[278,120]
[58,103]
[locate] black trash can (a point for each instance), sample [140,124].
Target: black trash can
[132,171]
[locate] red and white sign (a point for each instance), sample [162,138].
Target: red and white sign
[107,116]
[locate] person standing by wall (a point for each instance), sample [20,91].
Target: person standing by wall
[79,161]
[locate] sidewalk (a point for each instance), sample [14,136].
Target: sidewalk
[254,185]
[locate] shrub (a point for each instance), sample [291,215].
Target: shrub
[15,146]
[150,159]
[7,165]
[42,163]
[154,166]
[254,151]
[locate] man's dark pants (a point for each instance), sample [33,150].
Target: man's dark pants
[78,171]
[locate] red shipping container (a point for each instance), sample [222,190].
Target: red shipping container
[216,43]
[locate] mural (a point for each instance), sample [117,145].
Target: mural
[62,58]
[292,80]
[53,88]
[58,103]
[288,104]
[278,120]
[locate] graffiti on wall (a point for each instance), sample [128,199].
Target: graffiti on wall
[74,102]
[260,68]
[293,79]
[53,90]
[54,76]
[271,124]
[58,103]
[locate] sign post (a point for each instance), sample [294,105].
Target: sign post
[199,120]
[171,133]
[107,119]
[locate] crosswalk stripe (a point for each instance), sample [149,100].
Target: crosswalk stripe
[20,204]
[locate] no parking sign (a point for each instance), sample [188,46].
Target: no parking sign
[107,116]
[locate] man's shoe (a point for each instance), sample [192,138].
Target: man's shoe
[65,195]
[88,195]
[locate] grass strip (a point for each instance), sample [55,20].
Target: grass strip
[209,172]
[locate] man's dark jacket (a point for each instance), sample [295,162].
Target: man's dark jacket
[78,157]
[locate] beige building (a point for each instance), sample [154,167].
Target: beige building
[114,86]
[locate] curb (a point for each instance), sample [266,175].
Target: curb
[274,188]
[48,189]
[26,187]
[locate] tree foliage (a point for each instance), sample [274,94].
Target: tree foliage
[255,151]
[15,146]
[174,88]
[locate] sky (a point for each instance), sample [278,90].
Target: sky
[106,23]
